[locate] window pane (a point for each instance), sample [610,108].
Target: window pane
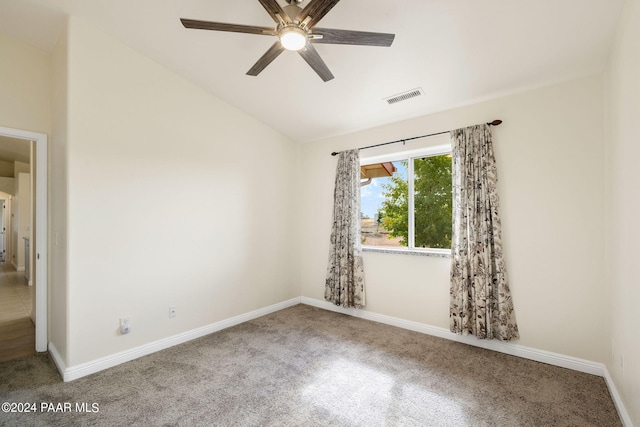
[433,201]
[384,205]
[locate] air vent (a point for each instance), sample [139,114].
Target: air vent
[404,96]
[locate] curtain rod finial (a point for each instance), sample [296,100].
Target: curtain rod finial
[495,123]
[335,153]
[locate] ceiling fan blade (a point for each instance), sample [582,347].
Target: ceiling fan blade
[332,36]
[221,26]
[273,8]
[266,59]
[316,10]
[311,55]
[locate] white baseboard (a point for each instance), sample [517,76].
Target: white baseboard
[70,373]
[57,359]
[543,356]
[502,347]
[617,400]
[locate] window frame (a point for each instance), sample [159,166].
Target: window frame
[409,155]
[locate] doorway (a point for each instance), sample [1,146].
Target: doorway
[38,253]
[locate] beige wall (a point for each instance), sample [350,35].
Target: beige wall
[22,218]
[174,198]
[6,169]
[8,185]
[623,200]
[57,225]
[549,152]
[25,86]
[22,212]
[20,167]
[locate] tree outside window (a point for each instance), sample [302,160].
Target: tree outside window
[430,179]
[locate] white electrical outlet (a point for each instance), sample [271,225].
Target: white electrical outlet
[125,325]
[172,311]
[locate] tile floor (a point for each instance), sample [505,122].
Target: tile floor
[17,332]
[16,297]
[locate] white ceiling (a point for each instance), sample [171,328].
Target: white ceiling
[457,51]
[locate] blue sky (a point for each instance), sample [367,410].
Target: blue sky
[371,195]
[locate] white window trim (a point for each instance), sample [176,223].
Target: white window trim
[408,155]
[434,252]
[404,155]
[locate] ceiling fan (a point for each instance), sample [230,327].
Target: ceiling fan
[296,30]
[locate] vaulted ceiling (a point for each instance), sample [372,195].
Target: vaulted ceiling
[457,52]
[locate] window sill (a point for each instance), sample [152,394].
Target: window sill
[442,253]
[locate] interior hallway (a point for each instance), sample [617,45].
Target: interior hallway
[17,331]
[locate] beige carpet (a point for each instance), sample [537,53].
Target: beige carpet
[303,366]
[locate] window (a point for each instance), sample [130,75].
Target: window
[406,201]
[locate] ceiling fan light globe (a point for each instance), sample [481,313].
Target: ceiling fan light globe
[293,38]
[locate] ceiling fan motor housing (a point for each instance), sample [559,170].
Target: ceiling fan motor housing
[292,11]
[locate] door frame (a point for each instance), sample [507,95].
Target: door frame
[3,234]
[41,257]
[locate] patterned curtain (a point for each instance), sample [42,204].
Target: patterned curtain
[345,272]
[480,303]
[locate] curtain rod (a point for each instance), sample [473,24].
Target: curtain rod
[335,153]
